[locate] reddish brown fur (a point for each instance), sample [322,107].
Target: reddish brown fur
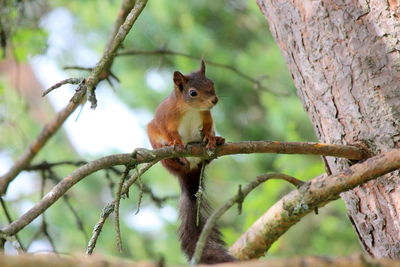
[163,131]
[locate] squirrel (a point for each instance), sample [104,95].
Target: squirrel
[184,117]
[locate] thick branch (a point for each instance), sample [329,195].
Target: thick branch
[90,83]
[144,156]
[315,193]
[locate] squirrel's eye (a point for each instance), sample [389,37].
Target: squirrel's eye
[193,93]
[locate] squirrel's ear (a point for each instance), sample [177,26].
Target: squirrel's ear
[202,67]
[180,80]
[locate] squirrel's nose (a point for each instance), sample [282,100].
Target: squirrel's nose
[215,100]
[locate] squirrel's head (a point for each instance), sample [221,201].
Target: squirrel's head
[196,89]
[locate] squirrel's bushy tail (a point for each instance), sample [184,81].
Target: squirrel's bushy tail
[214,251]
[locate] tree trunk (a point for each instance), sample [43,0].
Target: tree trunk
[344,57]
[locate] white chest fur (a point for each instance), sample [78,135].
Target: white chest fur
[190,131]
[190,127]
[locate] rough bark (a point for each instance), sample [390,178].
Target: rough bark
[344,57]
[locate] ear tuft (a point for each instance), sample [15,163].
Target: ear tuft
[202,67]
[179,80]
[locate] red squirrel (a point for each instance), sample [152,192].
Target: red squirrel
[185,117]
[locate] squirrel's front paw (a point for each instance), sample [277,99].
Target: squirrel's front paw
[213,141]
[178,145]
[210,141]
[219,140]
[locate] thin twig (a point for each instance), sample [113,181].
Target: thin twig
[9,219]
[49,165]
[63,82]
[78,220]
[79,223]
[290,179]
[77,68]
[46,233]
[238,198]
[199,193]
[107,210]
[112,75]
[46,165]
[103,76]
[140,197]
[159,201]
[43,227]
[256,82]
[116,206]
[128,183]
[110,182]
[34,237]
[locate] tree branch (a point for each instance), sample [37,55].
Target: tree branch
[46,165]
[314,193]
[89,84]
[111,50]
[117,201]
[107,210]
[126,7]
[195,150]
[63,82]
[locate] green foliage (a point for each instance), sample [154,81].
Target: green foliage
[229,32]
[19,30]
[29,42]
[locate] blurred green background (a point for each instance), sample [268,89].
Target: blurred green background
[234,33]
